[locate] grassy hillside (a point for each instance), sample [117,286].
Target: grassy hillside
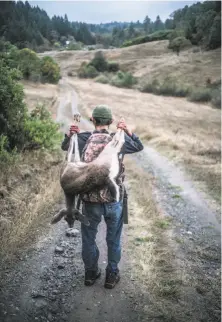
[153,60]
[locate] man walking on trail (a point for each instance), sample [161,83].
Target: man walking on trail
[100,202]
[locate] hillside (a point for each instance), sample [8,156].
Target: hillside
[151,60]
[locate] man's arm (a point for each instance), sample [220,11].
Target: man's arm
[82,138]
[132,144]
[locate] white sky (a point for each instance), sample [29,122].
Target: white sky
[106,11]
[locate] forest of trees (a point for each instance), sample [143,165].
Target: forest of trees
[28,26]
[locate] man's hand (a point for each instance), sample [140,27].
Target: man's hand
[122,125]
[73,129]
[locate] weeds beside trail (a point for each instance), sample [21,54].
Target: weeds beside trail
[151,250]
[29,190]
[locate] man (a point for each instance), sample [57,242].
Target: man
[100,202]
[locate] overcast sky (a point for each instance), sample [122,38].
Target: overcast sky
[106,11]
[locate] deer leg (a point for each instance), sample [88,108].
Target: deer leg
[78,214]
[69,217]
[113,188]
[58,216]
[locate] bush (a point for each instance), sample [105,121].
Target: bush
[50,70]
[41,130]
[99,62]
[102,79]
[200,95]
[179,43]
[87,71]
[12,108]
[113,67]
[158,35]
[7,158]
[176,33]
[75,46]
[122,79]
[169,87]
[28,63]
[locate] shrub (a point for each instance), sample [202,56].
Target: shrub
[176,33]
[12,108]
[28,63]
[75,46]
[102,79]
[200,95]
[41,130]
[99,62]
[50,70]
[87,71]
[123,80]
[7,158]
[113,67]
[169,87]
[151,87]
[179,43]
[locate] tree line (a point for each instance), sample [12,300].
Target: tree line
[29,26]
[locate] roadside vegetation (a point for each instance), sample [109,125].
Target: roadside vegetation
[30,66]
[106,72]
[29,153]
[210,93]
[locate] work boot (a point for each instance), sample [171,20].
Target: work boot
[112,278]
[91,276]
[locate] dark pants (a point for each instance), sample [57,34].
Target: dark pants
[112,213]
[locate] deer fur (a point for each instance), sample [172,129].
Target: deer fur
[79,177]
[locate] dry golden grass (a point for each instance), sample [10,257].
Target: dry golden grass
[189,133]
[31,189]
[153,252]
[36,93]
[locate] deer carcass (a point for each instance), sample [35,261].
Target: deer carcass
[79,177]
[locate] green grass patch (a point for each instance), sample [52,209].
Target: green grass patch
[176,196]
[163,223]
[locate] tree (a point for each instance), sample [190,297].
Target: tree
[131,31]
[147,24]
[169,24]
[99,62]
[215,34]
[158,24]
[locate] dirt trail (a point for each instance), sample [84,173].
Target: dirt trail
[47,284]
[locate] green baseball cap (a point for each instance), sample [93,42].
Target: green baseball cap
[102,111]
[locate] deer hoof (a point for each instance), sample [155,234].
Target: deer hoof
[58,216]
[79,216]
[70,220]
